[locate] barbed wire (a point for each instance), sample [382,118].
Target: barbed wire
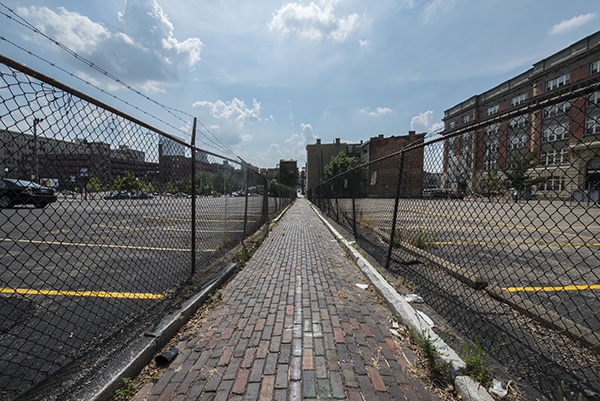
[216,143]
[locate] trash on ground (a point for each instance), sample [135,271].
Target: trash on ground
[413,298]
[426,318]
[395,333]
[362,286]
[497,389]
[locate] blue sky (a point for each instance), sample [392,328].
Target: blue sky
[268,77]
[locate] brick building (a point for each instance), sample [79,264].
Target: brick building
[383,175]
[563,138]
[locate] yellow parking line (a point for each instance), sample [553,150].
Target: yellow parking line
[100,294]
[560,288]
[209,220]
[515,243]
[145,248]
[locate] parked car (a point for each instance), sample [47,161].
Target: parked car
[117,195]
[441,194]
[21,192]
[141,195]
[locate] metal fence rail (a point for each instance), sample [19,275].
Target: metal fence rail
[127,221]
[496,225]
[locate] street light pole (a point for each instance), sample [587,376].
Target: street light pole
[36,172]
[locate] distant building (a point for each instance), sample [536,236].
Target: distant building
[288,173]
[564,137]
[319,155]
[70,163]
[383,175]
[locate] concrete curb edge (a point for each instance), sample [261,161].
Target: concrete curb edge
[468,388]
[136,357]
[103,386]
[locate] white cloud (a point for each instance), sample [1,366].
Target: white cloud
[437,9]
[572,24]
[233,111]
[364,43]
[424,123]
[379,111]
[313,22]
[144,53]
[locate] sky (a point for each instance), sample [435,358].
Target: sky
[269,77]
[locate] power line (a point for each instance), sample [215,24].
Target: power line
[23,22]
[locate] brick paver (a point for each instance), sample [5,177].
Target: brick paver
[293,325]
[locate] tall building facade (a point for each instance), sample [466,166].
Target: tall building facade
[562,137]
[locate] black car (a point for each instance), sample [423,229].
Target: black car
[117,195]
[21,192]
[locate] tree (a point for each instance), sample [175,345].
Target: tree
[170,187]
[128,182]
[94,184]
[494,181]
[348,183]
[338,165]
[516,171]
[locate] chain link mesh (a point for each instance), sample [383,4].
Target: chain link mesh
[495,224]
[103,248]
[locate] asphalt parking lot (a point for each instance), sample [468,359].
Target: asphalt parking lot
[544,251]
[79,269]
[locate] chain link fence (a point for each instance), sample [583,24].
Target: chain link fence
[107,224]
[496,225]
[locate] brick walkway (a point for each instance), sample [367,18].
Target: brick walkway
[293,325]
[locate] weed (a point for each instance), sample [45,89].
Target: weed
[424,240]
[432,357]
[216,297]
[398,238]
[563,394]
[126,391]
[475,362]
[224,242]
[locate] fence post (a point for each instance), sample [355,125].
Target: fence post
[394,219]
[265,214]
[193,180]
[353,211]
[246,201]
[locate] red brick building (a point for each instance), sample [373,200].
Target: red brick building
[383,175]
[563,138]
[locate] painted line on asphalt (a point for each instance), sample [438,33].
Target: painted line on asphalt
[97,294]
[144,248]
[560,288]
[209,220]
[515,243]
[162,228]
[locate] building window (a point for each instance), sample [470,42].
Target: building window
[493,110]
[517,141]
[595,67]
[593,125]
[452,124]
[557,109]
[553,183]
[555,133]
[374,178]
[554,157]
[517,100]
[466,119]
[558,82]
[594,99]
[519,122]
[491,142]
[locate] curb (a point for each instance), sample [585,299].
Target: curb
[140,354]
[103,386]
[466,387]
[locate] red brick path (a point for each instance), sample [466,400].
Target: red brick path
[293,325]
